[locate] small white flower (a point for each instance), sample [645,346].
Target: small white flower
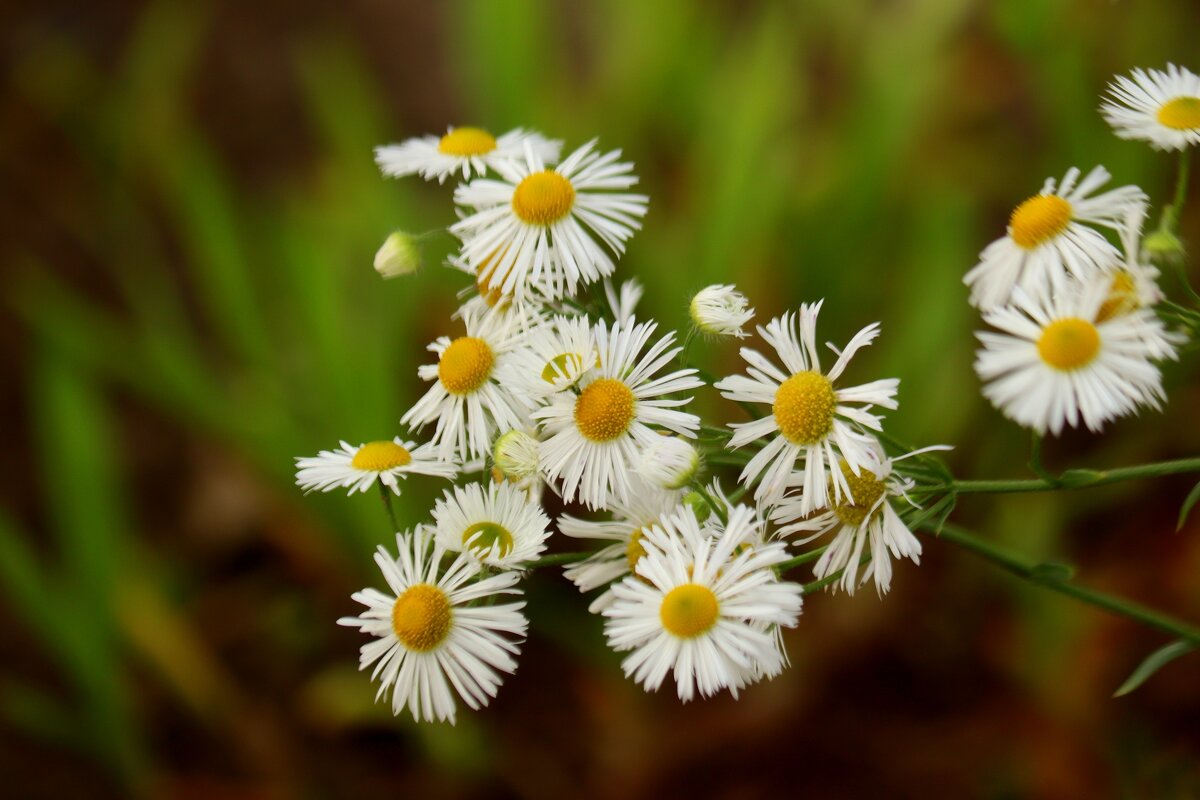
[539,226]
[467,151]
[669,462]
[720,311]
[705,605]
[815,422]
[593,438]
[360,467]
[553,357]
[498,525]
[867,522]
[516,455]
[1047,242]
[399,255]
[435,638]
[1162,108]
[467,400]
[1057,363]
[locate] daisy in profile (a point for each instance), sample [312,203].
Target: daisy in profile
[670,462]
[555,356]
[593,438]
[561,221]
[357,468]
[497,525]
[702,607]
[812,421]
[1048,241]
[1162,108]
[466,151]
[623,302]
[867,523]
[1054,364]
[720,311]
[435,638]
[467,400]
[623,533]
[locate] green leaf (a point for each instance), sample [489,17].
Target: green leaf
[1152,664]
[1188,504]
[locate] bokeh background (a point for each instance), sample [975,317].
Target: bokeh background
[190,212]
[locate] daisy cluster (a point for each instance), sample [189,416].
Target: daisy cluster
[554,394]
[1069,290]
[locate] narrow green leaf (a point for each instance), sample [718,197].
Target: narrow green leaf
[24,581]
[1188,504]
[1152,664]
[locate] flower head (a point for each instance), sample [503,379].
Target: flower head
[720,311]
[498,525]
[1162,108]
[669,462]
[467,151]
[358,468]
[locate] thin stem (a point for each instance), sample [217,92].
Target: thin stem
[687,346]
[1074,478]
[1054,580]
[803,558]
[1181,185]
[386,494]
[716,505]
[556,559]
[1035,459]
[823,582]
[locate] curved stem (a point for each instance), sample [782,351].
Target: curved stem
[386,494]
[1055,580]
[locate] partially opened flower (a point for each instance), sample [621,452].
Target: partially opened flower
[1162,108]
[466,151]
[703,606]
[554,357]
[669,462]
[812,421]
[1050,240]
[498,525]
[594,438]
[437,633]
[1057,363]
[358,468]
[551,227]
[720,311]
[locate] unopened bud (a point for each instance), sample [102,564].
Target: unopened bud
[399,255]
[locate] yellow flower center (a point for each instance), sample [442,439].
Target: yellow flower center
[467,142]
[561,366]
[465,365]
[380,456]
[804,406]
[1122,297]
[1039,219]
[689,610]
[490,296]
[421,617]
[481,536]
[1182,113]
[866,490]
[543,197]
[1068,344]
[634,550]
[604,410]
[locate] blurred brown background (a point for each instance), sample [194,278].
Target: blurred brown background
[190,211]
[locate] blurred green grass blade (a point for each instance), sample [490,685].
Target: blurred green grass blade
[26,582]
[1189,503]
[36,713]
[1152,664]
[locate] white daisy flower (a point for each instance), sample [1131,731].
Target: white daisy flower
[1162,108]
[669,462]
[538,221]
[554,357]
[498,525]
[434,634]
[646,506]
[702,606]
[1057,363]
[593,438]
[867,522]
[467,400]
[720,311]
[1047,241]
[533,310]
[360,467]
[816,422]
[466,151]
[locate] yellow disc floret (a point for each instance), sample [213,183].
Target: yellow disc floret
[1181,114]
[465,365]
[467,142]
[421,617]
[543,197]
[1039,219]
[380,456]
[1122,297]
[561,366]
[689,610]
[1069,343]
[482,536]
[866,490]
[804,406]
[634,550]
[604,410]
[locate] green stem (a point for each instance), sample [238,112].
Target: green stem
[716,505]
[1035,459]
[1053,580]
[687,346]
[823,582]
[386,494]
[1074,478]
[803,558]
[556,559]
[1181,184]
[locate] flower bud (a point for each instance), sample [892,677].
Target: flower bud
[516,454]
[698,503]
[669,462]
[720,311]
[399,255]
